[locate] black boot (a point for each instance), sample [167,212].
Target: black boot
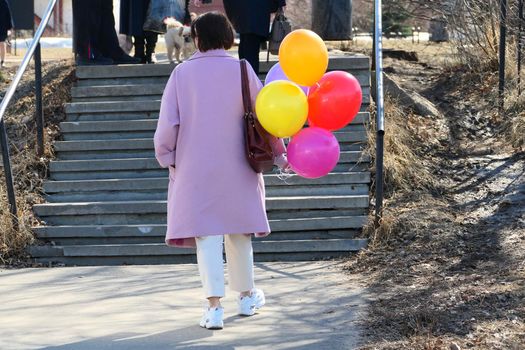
[94,59]
[125,59]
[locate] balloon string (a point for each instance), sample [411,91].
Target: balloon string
[285,175]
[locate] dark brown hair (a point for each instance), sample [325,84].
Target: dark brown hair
[213,30]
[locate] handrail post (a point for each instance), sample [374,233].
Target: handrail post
[521,19]
[8,175]
[380,119]
[502,53]
[39,110]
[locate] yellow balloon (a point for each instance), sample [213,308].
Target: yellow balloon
[304,57]
[282,108]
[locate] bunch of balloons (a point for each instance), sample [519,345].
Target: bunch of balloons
[298,88]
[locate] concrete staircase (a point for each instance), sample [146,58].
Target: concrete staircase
[106,193]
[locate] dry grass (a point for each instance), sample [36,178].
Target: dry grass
[514,125]
[14,241]
[406,171]
[29,171]
[404,167]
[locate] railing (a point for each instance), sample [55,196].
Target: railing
[34,50]
[380,118]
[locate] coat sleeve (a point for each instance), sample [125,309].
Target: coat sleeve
[165,138]
[279,149]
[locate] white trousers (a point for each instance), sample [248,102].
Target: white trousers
[239,257]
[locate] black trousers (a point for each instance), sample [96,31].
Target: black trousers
[249,49]
[147,41]
[94,29]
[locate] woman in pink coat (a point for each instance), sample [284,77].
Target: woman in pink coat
[213,192]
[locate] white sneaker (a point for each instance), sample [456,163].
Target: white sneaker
[249,304]
[212,318]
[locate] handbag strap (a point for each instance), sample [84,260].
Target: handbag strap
[246,97]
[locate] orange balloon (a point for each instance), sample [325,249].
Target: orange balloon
[304,57]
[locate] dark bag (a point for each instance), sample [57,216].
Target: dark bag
[281,27]
[259,150]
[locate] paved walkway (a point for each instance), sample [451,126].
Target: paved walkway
[310,305]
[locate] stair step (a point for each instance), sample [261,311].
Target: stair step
[160,218]
[108,126]
[148,153]
[159,230]
[120,107]
[362,76]
[154,207]
[116,116]
[151,163]
[154,212]
[156,188]
[139,92]
[271,180]
[160,249]
[356,62]
[361,118]
[139,129]
[113,107]
[276,236]
[160,193]
[126,168]
[147,143]
[146,90]
[125,254]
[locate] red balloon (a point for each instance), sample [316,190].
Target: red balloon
[334,101]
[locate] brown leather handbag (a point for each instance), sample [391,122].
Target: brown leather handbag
[259,150]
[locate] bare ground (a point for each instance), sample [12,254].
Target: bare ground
[447,270]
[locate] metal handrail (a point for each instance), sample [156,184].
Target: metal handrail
[34,50]
[380,117]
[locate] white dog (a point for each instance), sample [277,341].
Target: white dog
[178,39]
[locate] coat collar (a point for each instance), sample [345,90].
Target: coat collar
[211,53]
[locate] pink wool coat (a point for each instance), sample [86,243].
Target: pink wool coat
[212,189]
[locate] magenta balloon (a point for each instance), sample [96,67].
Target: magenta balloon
[276,73]
[313,152]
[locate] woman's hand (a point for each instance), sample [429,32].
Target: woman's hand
[282,162]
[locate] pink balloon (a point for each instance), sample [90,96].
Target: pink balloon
[276,73]
[313,152]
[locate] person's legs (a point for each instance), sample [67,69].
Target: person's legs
[108,39]
[138,43]
[249,48]
[239,260]
[108,35]
[2,53]
[239,256]
[86,32]
[151,42]
[209,259]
